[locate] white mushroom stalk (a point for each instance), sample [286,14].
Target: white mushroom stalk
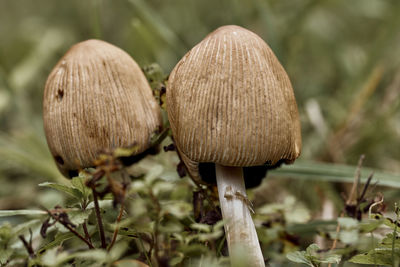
[239,227]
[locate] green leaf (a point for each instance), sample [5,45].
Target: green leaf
[20,228]
[170,227]
[210,236]
[106,203]
[98,255]
[311,249]
[54,258]
[65,189]
[177,259]
[129,263]
[179,209]
[118,250]
[312,256]
[387,241]
[51,257]
[79,184]
[125,152]
[381,254]
[79,216]
[5,234]
[201,227]
[377,257]
[348,223]
[128,232]
[349,236]
[57,241]
[194,250]
[299,257]
[349,230]
[368,226]
[310,227]
[332,259]
[5,254]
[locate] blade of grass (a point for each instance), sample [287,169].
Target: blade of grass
[329,172]
[8,213]
[158,25]
[29,154]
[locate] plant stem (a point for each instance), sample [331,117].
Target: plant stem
[144,252]
[156,224]
[72,230]
[373,247]
[28,246]
[395,234]
[121,211]
[85,230]
[99,220]
[240,231]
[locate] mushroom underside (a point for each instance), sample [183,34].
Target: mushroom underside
[126,161]
[252,175]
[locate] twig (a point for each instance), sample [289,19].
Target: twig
[337,233]
[361,197]
[395,233]
[156,140]
[156,224]
[209,200]
[99,220]
[85,230]
[354,189]
[350,200]
[373,248]
[144,251]
[72,230]
[121,212]
[28,245]
[373,205]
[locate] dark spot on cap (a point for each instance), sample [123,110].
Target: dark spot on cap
[60,94]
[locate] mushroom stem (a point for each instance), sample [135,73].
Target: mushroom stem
[240,231]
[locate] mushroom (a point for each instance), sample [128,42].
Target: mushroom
[97,99]
[231,103]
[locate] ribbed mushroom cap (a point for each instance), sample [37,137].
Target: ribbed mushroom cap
[96,99]
[230,102]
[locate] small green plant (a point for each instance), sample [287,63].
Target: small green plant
[387,250]
[360,219]
[313,257]
[154,225]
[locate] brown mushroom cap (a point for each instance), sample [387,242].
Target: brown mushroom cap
[96,99]
[230,102]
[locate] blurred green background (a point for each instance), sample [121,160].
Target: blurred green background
[342,56]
